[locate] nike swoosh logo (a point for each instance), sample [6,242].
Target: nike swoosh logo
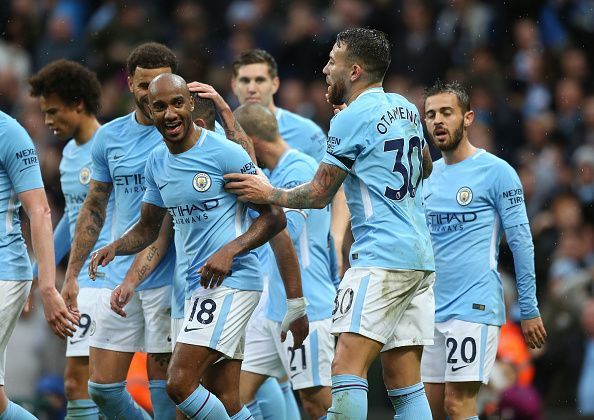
[162,186]
[186,329]
[76,341]
[295,374]
[427,196]
[455,369]
[116,157]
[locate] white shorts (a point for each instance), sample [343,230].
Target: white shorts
[393,307]
[78,345]
[307,366]
[463,352]
[146,328]
[217,318]
[176,326]
[13,296]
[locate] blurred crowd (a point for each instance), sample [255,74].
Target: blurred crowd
[527,64]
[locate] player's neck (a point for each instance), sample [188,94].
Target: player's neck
[358,89]
[272,156]
[272,107]
[175,148]
[86,130]
[464,150]
[141,118]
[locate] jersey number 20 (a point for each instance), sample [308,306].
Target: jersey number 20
[405,170]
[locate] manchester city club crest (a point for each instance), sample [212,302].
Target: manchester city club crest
[201,182]
[464,196]
[84,176]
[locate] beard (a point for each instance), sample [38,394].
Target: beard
[454,141]
[337,92]
[143,107]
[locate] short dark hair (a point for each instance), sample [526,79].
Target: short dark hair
[256,56]
[369,46]
[454,88]
[71,82]
[151,55]
[204,108]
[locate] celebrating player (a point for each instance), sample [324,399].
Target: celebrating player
[385,300]
[471,198]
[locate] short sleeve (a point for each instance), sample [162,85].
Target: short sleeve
[345,140]
[152,195]
[509,197]
[236,160]
[99,156]
[319,143]
[19,158]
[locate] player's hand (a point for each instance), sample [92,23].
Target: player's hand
[207,91]
[251,188]
[534,332]
[102,256]
[62,320]
[70,294]
[296,321]
[217,267]
[120,297]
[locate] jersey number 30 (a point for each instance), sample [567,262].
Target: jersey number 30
[405,170]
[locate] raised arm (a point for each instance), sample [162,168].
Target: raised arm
[138,237]
[57,314]
[270,222]
[315,194]
[233,130]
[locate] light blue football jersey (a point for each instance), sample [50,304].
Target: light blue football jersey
[301,133]
[191,186]
[76,169]
[19,172]
[378,140]
[120,150]
[178,288]
[467,205]
[311,244]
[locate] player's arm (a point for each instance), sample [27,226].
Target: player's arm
[143,265]
[88,226]
[427,162]
[315,194]
[295,319]
[62,242]
[138,237]
[57,314]
[270,222]
[233,130]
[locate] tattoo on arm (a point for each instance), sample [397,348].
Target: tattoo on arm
[88,226]
[315,194]
[235,133]
[144,232]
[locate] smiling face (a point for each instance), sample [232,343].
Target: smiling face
[138,85]
[64,120]
[253,84]
[337,74]
[446,123]
[171,106]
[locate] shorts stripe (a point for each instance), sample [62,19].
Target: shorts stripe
[315,368]
[218,330]
[356,317]
[484,334]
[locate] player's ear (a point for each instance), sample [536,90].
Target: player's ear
[356,72]
[275,84]
[130,84]
[192,102]
[200,122]
[468,118]
[80,107]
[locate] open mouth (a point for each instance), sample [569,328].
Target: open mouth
[440,134]
[173,128]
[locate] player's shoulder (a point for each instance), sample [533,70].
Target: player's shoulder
[114,127]
[297,160]
[488,160]
[285,116]
[159,153]
[69,148]
[10,125]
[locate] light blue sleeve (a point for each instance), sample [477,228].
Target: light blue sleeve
[319,143]
[296,219]
[98,154]
[345,139]
[62,242]
[19,158]
[297,174]
[519,240]
[509,197]
[152,194]
[236,160]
